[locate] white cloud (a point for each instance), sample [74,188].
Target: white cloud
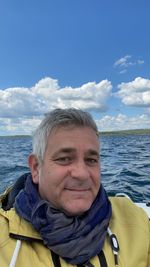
[123,122]
[20,108]
[139,61]
[47,94]
[125,62]
[106,123]
[123,71]
[13,126]
[135,93]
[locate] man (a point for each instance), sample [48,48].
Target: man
[60,215]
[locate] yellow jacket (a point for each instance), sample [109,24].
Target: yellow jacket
[129,223]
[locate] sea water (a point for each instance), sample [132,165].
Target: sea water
[125,163]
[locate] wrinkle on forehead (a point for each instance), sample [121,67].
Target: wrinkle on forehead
[71,140]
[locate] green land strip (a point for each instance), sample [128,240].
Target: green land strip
[15,136]
[127,132]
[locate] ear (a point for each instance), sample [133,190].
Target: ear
[34,168]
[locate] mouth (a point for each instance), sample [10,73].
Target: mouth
[77,189]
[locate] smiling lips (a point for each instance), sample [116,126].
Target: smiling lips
[77,189]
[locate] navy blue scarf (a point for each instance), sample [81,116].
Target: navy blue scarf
[76,239]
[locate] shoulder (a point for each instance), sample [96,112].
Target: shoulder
[14,225]
[131,226]
[126,212]
[9,222]
[4,224]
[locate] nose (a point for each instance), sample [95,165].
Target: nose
[80,171]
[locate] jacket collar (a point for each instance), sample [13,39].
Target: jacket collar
[18,227]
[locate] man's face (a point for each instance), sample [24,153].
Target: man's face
[69,176]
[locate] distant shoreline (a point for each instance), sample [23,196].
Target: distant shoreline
[127,132]
[15,136]
[105,133]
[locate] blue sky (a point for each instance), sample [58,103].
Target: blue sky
[88,54]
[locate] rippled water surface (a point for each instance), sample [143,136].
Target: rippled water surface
[125,163]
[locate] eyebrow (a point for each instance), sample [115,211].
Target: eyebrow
[64,150]
[93,152]
[68,150]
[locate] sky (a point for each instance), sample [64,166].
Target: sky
[87,54]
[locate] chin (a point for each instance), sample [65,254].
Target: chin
[75,210]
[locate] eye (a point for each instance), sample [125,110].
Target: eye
[63,160]
[92,161]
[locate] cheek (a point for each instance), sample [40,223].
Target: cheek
[96,183]
[54,177]
[96,175]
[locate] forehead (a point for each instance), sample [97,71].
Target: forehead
[73,137]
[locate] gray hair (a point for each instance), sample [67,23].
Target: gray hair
[55,119]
